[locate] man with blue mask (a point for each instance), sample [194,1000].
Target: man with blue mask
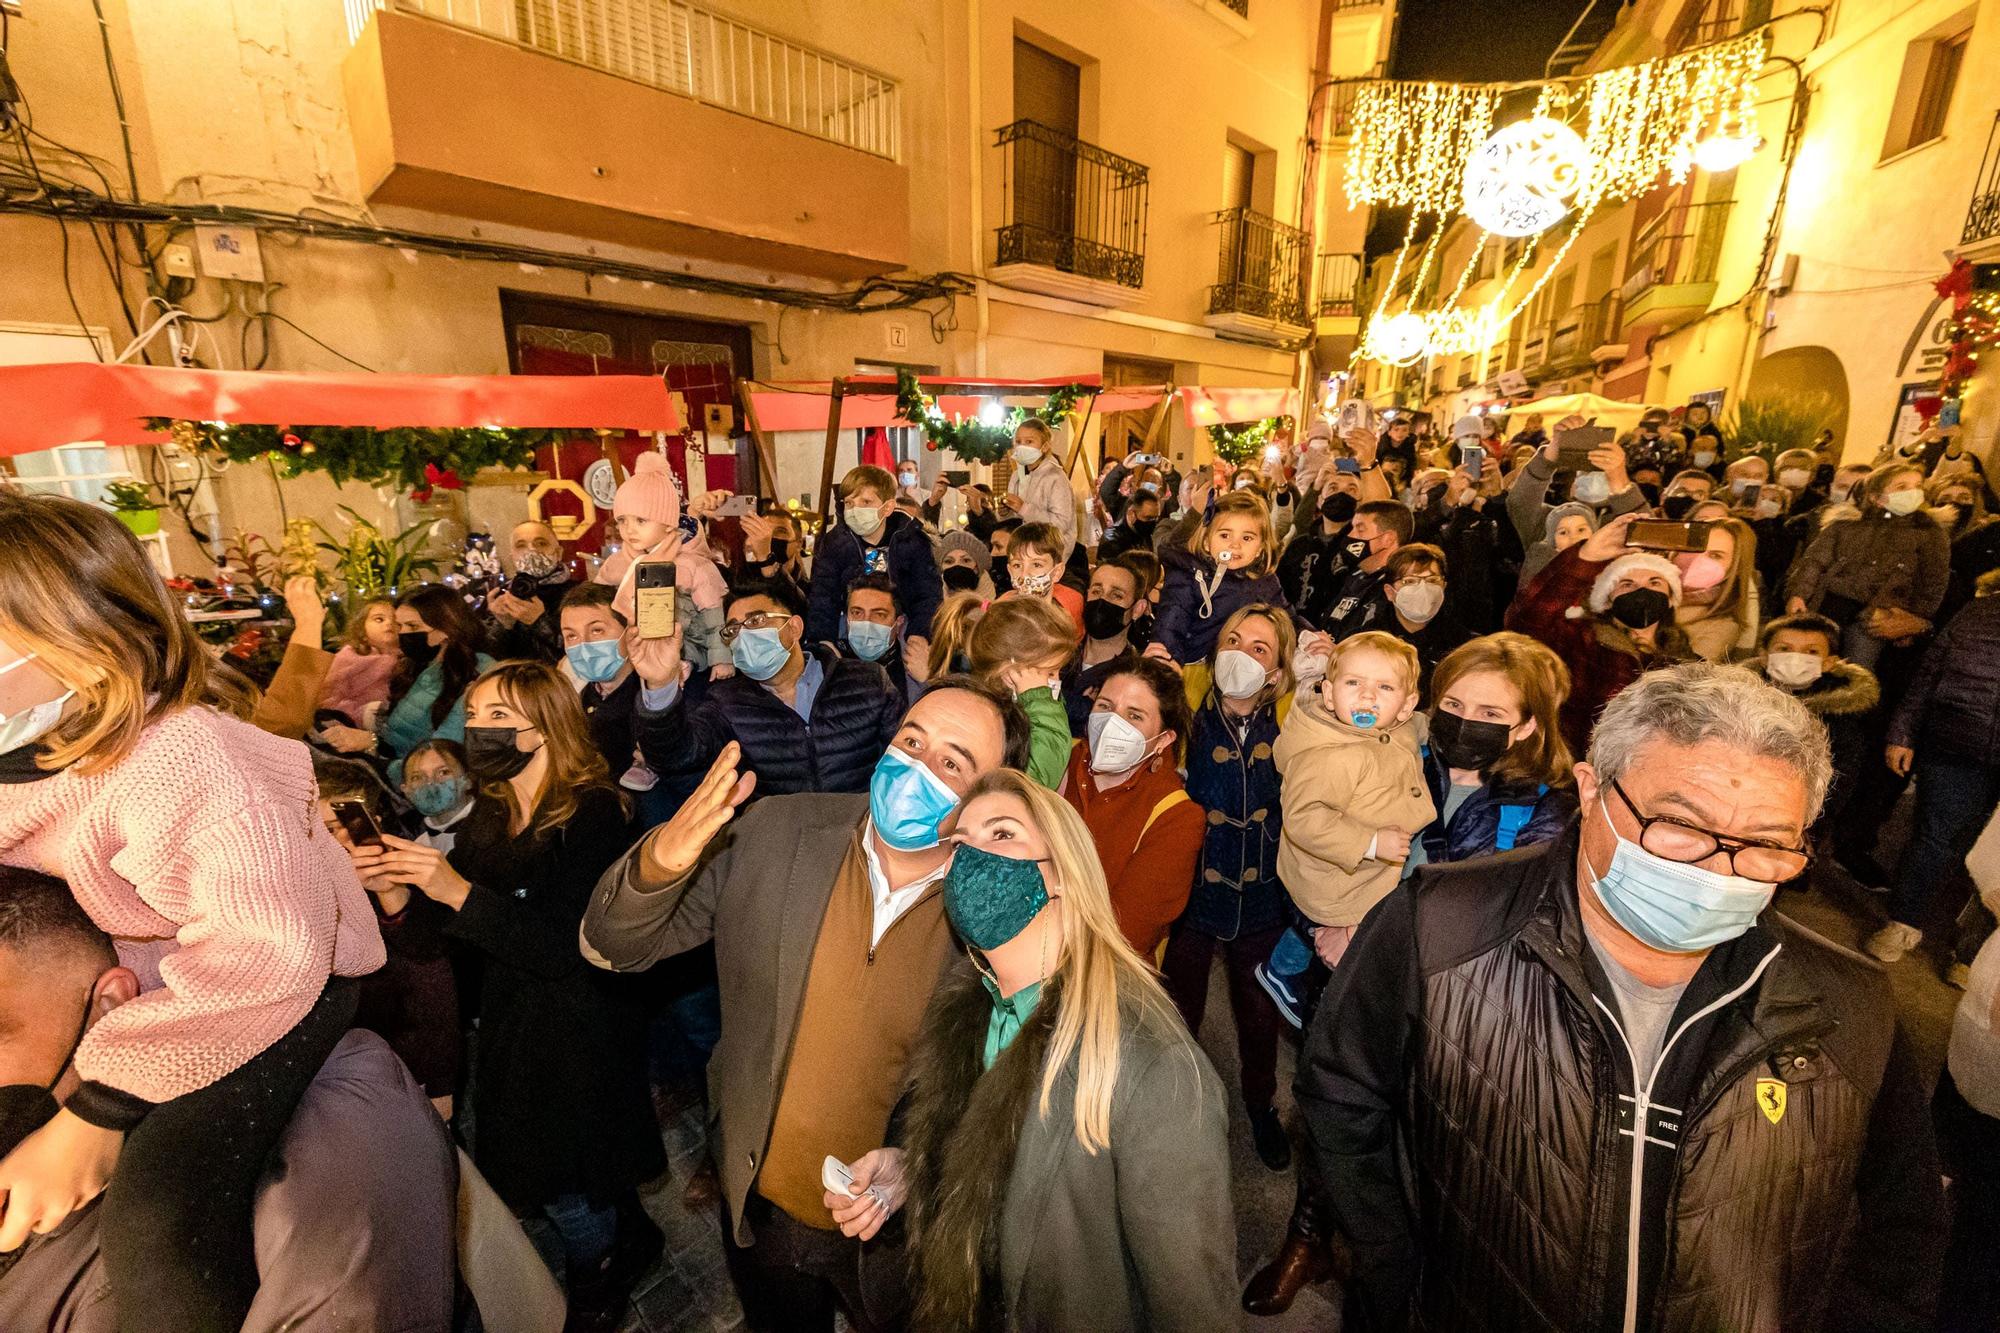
[593,637]
[826,913]
[874,624]
[808,719]
[1600,1084]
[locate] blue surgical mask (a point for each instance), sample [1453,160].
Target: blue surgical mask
[1672,906]
[908,802]
[868,639]
[759,653]
[596,661]
[440,797]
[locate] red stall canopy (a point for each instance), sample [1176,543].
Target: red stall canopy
[48,405]
[1215,407]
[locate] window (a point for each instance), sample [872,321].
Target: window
[80,471]
[1930,77]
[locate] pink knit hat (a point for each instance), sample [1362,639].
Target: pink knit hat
[649,493]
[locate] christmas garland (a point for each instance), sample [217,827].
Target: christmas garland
[420,458]
[971,439]
[1242,443]
[1975,327]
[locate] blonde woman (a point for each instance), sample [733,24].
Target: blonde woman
[1718,607]
[1065,1148]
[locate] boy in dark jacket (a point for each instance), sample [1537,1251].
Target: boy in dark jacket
[1800,655]
[871,539]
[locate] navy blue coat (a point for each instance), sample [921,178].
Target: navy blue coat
[843,557]
[1236,891]
[1181,628]
[1475,826]
[854,717]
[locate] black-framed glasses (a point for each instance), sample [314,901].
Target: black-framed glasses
[1677,840]
[755,620]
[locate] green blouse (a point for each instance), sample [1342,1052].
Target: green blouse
[1009,1013]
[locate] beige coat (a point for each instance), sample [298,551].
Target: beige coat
[1342,785]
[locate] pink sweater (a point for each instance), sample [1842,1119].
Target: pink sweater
[356,680]
[203,856]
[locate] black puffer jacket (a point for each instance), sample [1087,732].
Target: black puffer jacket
[904,554]
[1953,704]
[854,717]
[1471,1104]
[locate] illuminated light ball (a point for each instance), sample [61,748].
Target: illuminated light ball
[1399,339]
[1725,152]
[1519,181]
[992,413]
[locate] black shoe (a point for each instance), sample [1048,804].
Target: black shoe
[1274,1146]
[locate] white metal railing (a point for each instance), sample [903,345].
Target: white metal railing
[689,50]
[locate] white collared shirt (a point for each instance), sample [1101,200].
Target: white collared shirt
[891,903]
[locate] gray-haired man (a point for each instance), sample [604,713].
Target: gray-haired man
[1598,1085]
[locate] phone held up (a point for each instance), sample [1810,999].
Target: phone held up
[360,825]
[654,595]
[1574,446]
[1661,535]
[1472,457]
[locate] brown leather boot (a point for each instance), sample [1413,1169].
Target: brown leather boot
[1302,1260]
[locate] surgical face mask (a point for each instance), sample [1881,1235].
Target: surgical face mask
[1704,458]
[1673,907]
[1103,618]
[1768,509]
[1699,571]
[1903,503]
[440,797]
[492,753]
[990,898]
[1036,585]
[596,661]
[868,639]
[1638,608]
[959,578]
[862,519]
[907,802]
[1794,671]
[1115,744]
[759,653]
[1238,675]
[906,479]
[416,645]
[1795,478]
[1461,742]
[1591,488]
[1027,455]
[1420,601]
[18,730]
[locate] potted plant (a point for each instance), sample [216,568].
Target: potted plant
[136,504]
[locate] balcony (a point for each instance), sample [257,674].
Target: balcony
[1673,265]
[1340,282]
[1072,217]
[1982,217]
[1260,280]
[1578,339]
[652,123]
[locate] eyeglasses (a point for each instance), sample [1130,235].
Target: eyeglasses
[1677,840]
[755,620]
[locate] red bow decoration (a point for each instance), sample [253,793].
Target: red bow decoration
[441,476]
[1956,284]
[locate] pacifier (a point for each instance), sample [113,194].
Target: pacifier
[1361,717]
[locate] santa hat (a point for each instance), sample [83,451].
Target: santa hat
[1600,591]
[649,493]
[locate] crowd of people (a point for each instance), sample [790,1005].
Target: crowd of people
[1476,763]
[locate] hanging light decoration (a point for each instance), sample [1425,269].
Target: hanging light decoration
[1519,182]
[1397,340]
[1725,152]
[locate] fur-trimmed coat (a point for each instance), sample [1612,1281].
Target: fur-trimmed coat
[1842,698]
[1014,1226]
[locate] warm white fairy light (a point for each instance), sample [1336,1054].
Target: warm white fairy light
[1521,179]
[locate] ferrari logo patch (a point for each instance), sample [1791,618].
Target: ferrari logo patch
[1771,1098]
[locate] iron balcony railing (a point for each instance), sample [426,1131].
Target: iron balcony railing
[1071,206]
[1681,246]
[1240,6]
[1339,284]
[1344,96]
[1569,339]
[1982,219]
[687,49]
[1260,267]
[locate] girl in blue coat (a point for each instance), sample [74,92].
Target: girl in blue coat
[1230,563]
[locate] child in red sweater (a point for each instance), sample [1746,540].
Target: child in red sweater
[192,839]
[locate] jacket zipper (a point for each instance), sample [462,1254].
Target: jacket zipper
[1642,1108]
[901,917]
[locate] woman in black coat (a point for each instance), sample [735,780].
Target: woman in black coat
[562,1117]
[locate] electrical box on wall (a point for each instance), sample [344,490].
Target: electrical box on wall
[178,261]
[229,252]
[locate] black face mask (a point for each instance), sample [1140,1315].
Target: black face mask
[1003,580]
[417,647]
[1102,618]
[492,755]
[1463,743]
[1143,529]
[1651,490]
[1638,608]
[960,578]
[1358,549]
[1338,508]
[781,550]
[1676,507]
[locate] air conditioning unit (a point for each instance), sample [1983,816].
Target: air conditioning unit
[1783,276]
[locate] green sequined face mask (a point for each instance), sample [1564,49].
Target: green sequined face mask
[990,898]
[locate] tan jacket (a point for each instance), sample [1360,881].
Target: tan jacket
[1342,785]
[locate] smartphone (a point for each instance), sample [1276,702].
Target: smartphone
[1472,457]
[654,595]
[1574,446]
[958,476]
[522,586]
[1750,494]
[1659,535]
[360,825]
[736,506]
[836,1177]
[1346,465]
